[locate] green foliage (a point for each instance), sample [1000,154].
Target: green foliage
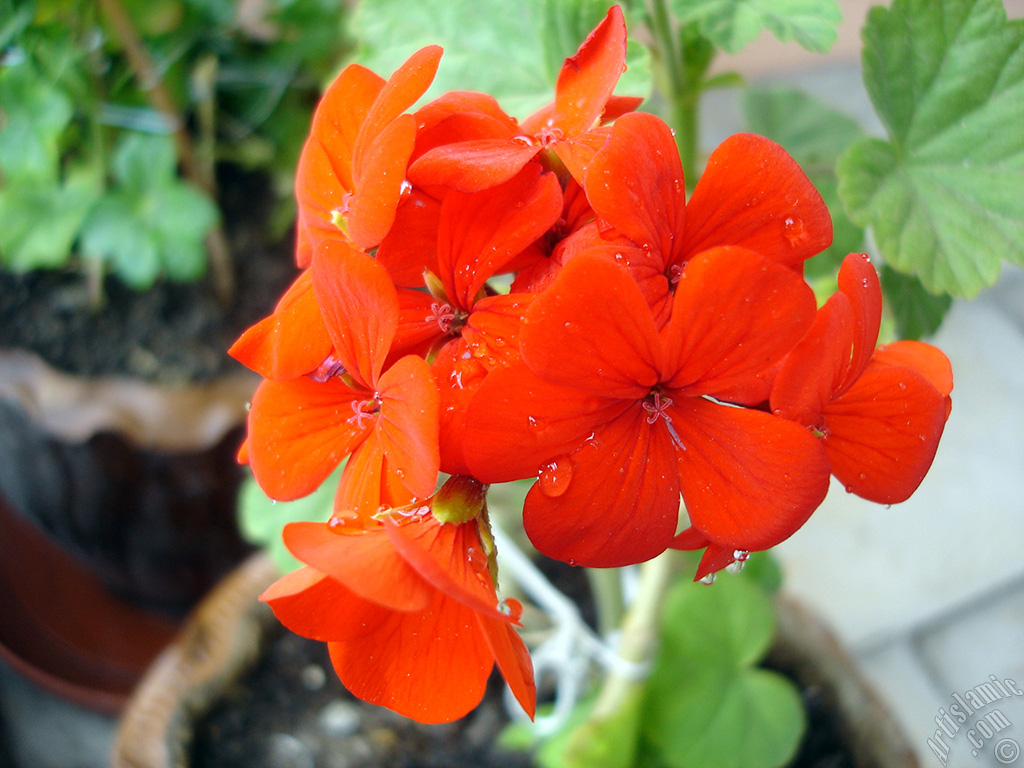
[945,194]
[732,24]
[76,182]
[916,312]
[511,50]
[708,705]
[261,519]
[148,222]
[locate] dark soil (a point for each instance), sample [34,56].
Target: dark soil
[172,333]
[291,712]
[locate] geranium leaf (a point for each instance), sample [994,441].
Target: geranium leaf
[39,222]
[917,313]
[707,705]
[945,194]
[150,222]
[510,50]
[261,519]
[34,115]
[732,24]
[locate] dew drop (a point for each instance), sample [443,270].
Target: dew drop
[405,187]
[477,560]
[555,476]
[794,231]
[531,421]
[708,578]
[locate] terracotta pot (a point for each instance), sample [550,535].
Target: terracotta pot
[225,635]
[117,513]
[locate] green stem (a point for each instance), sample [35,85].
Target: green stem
[680,61]
[640,627]
[606,587]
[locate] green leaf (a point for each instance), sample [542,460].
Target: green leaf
[150,223]
[610,742]
[33,115]
[945,195]
[39,222]
[707,705]
[917,313]
[511,50]
[732,24]
[815,135]
[261,519]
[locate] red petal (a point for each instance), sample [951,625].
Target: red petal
[733,316]
[464,104]
[517,421]
[410,247]
[881,435]
[450,557]
[313,605]
[715,558]
[359,306]
[458,375]
[364,562]
[753,194]
[371,210]
[513,660]
[814,369]
[404,87]
[588,77]
[645,267]
[614,352]
[577,152]
[336,123]
[617,106]
[492,329]
[480,232]
[859,282]
[749,479]
[408,424]
[470,166]
[299,430]
[621,504]
[366,484]
[323,186]
[291,342]
[635,183]
[923,358]
[431,666]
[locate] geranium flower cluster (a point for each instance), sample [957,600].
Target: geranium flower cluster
[649,347]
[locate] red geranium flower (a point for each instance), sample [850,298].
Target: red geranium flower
[351,171]
[408,608]
[301,429]
[466,329]
[619,418]
[752,194]
[878,416]
[500,148]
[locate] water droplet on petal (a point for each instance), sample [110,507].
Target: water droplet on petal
[794,231]
[477,560]
[555,476]
[405,187]
[708,578]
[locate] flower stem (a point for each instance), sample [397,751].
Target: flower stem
[640,627]
[680,60]
[606,587]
